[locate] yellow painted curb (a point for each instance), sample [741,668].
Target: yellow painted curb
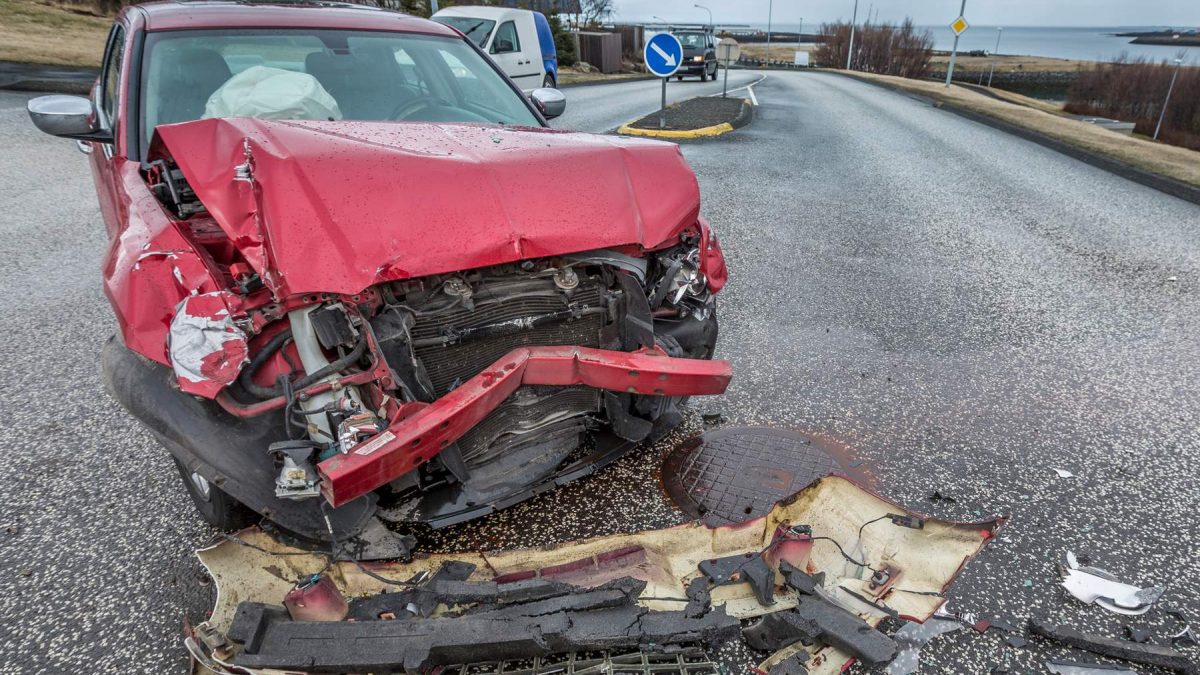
[715,130]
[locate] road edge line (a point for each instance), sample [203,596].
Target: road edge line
[1165,184]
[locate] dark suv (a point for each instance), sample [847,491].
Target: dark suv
[699,54]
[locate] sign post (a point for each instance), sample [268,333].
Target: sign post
[959,26]
[663,55]
[728,51]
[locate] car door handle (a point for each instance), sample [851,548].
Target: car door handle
[85,148]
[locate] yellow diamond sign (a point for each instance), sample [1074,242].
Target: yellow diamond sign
[959,26]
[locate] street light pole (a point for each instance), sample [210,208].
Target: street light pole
[710,19]
[1163,114]
[770,10]
[954,52]
[995,55]
[850,51]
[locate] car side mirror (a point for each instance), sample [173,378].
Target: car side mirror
[550,102]
[68,117]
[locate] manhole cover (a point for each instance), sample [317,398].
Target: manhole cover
[733,474]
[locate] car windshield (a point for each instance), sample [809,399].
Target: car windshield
[323,75]
[476,29]
[691,39]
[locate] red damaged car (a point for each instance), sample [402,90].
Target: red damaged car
[360,282]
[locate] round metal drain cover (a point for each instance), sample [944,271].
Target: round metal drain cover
[736,473]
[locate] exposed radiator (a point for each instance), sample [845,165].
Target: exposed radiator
[453,364]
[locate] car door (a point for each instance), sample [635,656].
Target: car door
[106,97]
[511,53]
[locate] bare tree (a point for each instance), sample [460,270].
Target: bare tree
[594,12]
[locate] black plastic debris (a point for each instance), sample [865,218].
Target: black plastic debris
[1135,634]
[937,496]
[271,640]
[1147,654]
[800,581]
[792,665]
[1016,642]
[818,620]
[699,598]
[749,567]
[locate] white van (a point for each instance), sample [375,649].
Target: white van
[518,40]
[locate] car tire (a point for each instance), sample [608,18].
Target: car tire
[679,78]
[704,75]
[215,505]
[548,82]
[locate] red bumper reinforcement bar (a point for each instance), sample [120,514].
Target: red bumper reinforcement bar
[417,438]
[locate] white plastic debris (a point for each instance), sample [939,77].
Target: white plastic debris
[1063,473]
[1091,585]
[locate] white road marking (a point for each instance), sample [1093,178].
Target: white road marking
[747,87]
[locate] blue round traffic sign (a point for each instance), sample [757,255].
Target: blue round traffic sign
[663,54]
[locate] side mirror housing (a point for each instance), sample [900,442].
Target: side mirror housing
[68,117]
[550,102]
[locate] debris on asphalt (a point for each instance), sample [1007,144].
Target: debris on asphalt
[1146,654]
[1063,473]
[937,496]
[1016,642]
[805,598]
[1134,634]
[911,637]
[1185,637]
[1093,585]
[1074,668]
[816,619]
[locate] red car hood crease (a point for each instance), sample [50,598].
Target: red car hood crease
[339,206]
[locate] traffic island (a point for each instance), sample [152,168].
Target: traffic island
[694,118]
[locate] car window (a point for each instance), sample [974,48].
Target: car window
[109,93]
[476,29]
[691,39]
[321,74]
[506,40]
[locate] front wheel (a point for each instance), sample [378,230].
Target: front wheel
[215,505]
[548,81]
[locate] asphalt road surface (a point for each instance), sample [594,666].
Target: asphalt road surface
[965,310]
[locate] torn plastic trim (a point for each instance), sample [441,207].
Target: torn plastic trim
[206,347]
[1093,585]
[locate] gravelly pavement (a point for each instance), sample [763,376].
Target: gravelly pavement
[965,310]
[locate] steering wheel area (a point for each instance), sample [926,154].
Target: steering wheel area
[432,109]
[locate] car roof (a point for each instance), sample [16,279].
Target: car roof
[209,14]
[495,13]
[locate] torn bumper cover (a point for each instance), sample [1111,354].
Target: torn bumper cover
[621,591]
[428,428]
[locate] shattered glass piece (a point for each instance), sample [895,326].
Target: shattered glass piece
[1063,473]
[912,637]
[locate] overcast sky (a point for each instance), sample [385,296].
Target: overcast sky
[1178,13]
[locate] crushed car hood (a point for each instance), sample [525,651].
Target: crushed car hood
[339,206]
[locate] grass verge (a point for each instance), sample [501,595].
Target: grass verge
[1165,160]
[49,33]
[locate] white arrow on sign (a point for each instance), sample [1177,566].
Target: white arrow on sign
[669,59]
